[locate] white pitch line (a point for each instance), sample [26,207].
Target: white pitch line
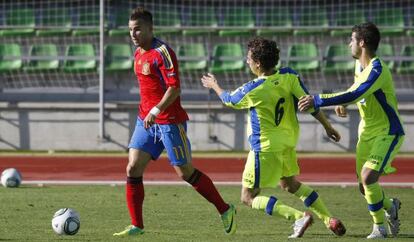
[231,183]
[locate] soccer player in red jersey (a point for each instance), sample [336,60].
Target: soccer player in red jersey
[161,123]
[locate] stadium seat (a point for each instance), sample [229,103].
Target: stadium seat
[346,18]
[386,53]
[22,22]
[338,59]
[120,24]
[389,20]
[227,57]
[166,20]
[118,57]
[192,57]
[303,57]
[239,17]
[274,17]
[43,50]
[88,21]
[10,51]
[58,18]
[314,20]
[406,66]
[81,51]
[203,17]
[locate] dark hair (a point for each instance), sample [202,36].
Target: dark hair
[369,33]
[264,51]
[141,14]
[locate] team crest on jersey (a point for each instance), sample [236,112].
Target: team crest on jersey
[146,70]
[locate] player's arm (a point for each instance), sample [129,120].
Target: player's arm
[237,99]
[355,93]
[330,131]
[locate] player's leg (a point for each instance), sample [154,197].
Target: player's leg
[314,202]
[379,161]
[263,169]
[141,150]
[178,149]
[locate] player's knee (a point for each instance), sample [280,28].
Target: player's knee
[290,187]
[246,200]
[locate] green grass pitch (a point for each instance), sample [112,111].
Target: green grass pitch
[177,213]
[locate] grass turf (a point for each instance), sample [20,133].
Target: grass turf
[177,213]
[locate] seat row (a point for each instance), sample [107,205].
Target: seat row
[303,57]
[77,58]
[230,21]
[226,57]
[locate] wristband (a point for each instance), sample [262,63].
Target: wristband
[155,111]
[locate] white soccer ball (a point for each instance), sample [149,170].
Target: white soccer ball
[66,221]
[11,178]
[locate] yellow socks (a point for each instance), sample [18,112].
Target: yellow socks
[374,197]
[312,200]
[271,204]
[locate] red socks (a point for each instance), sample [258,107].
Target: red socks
[135,198]
[203,185]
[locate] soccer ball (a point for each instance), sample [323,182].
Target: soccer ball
[11,178]
[66,221]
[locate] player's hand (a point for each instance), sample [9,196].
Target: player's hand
[341,111]
[333,134]
[209,80]
[305,103]
[149,120]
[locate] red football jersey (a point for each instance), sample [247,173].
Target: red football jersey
[156,70]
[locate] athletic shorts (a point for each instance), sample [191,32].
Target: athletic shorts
[378,153]
[264,169]
[172,137]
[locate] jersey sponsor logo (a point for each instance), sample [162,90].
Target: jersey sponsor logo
[362,101]
[146,70]
[171,74]
[374,162]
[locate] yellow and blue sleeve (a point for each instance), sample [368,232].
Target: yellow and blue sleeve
[356,92]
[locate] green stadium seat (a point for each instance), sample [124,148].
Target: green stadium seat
[120,27]
[10,51]
[166,21]
[88,18]
[22,22]
[80,51]
[43,50]
[314,20]
[59,19]
[275,17]
[192,57]
[303,57]
[390,21]
[346,18]
[386,53]
[406,66]
[239,17]
[227,57]
[338,59]
[203,17]
[118,57]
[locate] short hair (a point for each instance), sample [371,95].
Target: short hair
[264,51]
[369,33]
[140,13]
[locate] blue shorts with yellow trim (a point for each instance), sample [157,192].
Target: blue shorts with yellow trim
[378,153]
[265,169]
[172,137]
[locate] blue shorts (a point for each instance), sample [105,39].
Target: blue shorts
[172,137]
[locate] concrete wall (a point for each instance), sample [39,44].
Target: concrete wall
[50,126]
